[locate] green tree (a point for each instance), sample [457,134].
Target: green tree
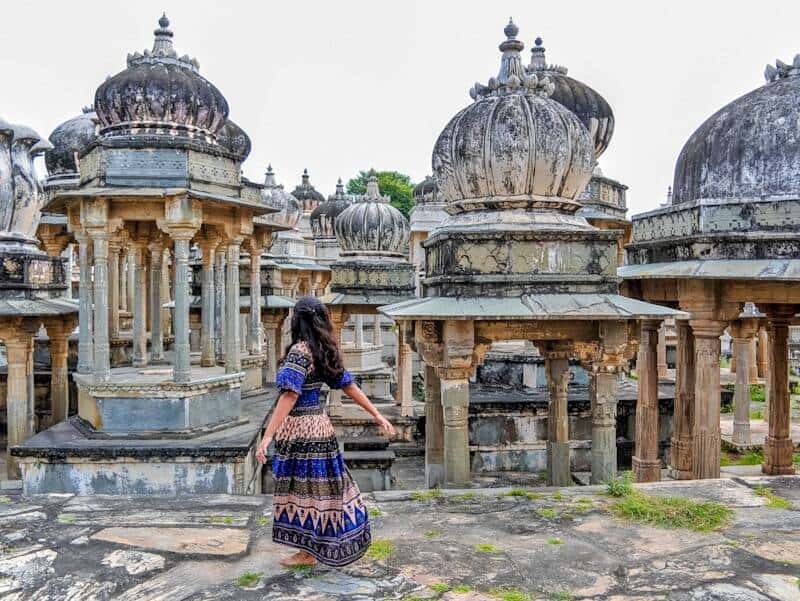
[395,185]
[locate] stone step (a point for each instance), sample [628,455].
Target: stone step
[408,449]
[363,459]
[365,443]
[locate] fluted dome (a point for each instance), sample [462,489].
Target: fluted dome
[160,93]
[592,109]
[68,139]
[426,190]
[371,226]
[513,146]
[234,140]
[324,216]
[307,194]
[289,211]
[749,148]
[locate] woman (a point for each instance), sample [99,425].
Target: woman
[317,505]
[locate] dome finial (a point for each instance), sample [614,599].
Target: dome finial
[538,62]
[372,187]
[339,186]
[511,30]
[269,177]
[162,45]
[163,22]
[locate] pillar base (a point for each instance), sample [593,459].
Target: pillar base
[681,463]
[646,471]
[558,465]
[777,456]
[434,475]
[741,434]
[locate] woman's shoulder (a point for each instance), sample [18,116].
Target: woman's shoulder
[301,348]
[299,355]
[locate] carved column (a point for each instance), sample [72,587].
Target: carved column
[233,359]
[139,326]
[131,283]
[762,352]
[102,354]
[683,415]
[646,464]
[603,396]
[166,297]
[752,363]
[335,406]
[85,342]
[706,397]
[122,274]
[58,333]
[207,297]
[272,335]
[114,248]
[455,409]
[778,444]
[17,402]
[183,368]
[556,365]
[404,375]
[662,350]
[434,430]
[358,331]
[377,335]
[219,302]
[156,334]
[742,334]
[254,330]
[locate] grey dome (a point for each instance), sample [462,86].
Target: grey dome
[591,108]
[372,227]
[426,190]
[68,140]
[289,211]
[160,92]
[749,148]
[234,140]
[307,194]
[513,142]
[324,216]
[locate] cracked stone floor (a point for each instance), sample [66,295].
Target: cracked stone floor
[482,544]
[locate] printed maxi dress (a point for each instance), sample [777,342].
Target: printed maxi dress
[317,504]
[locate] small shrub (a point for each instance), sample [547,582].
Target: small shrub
[548,513]
[375,512]
[465,588]
[263,520]
[426,495]
[486,548]
[751,458]
[620,486]
[510,594]
[464,497]
[725,460]
[672,512]
[516,492]
[757,415]
[432,533]
[249,579]
[220,519]
[555,541]
[439,587]
[561,596]
[757,393]
[773,500]
[558,496]
[532,496]
[300,569]
[380,549]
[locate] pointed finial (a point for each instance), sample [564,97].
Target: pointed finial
[538,62]
[305,177]
[269,177]
[511,30]
[339,186]
[372,187]
[163,22]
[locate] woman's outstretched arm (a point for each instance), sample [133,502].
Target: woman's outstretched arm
[284,405]
[359,398]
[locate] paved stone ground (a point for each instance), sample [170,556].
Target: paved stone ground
[559,545]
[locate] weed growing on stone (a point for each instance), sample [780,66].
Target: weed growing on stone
[548,513]
[4,499]
[516,492]
[304,570]
[439,587]
[263,520]
[533,496]
[462,498]
[752,458]
[620,486]
[465,588]
[672,512]
[432,533]
[65,519]
[795,459]
[220,519]
[380,549]
[756,415]
[249,579]
[510,594]
[486,548]
[555,541]
[426,495]
[561,596]
[773,500]
[557,496]
[375,512]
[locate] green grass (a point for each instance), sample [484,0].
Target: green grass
[510,594]
[375,512]
[555,541]
[757,393]
[633,375]
[65,519]
[749,458]
[439,587]
[620,486]
[4,499]
[487,548]
[533,496]
[562,596]
[773,500]
[249,579]
[672,512]
[300,569]
[426,495]
[465,588]
[795,459]
[464,497]
[220,519]
[263,520]
[557,496]
[548,513]
[432,533]
[380,549]
[516,492]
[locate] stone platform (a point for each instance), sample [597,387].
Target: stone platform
[758,431]
[562,545]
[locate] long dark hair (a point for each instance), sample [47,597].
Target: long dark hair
[311,323]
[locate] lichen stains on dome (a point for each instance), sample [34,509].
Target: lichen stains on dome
[324,216]
[591,108]
[371,227]
[307,194]
[749,148]
[234,140]
[68,140]
[513,141]
[160,93]
[273,194]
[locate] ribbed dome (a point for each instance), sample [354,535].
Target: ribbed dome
[289,211]
[513,144]
[426,190]
[68,140]
[592,109]
[160,93]
[324,216]
[234,140]
[371,226]
[307,194]
[749,148]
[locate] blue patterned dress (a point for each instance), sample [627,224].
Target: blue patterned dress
[317,504]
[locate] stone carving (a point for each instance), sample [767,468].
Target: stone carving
[6,183]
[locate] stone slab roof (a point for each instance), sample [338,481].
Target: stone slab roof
[30,307]
[364,298]
[786,270]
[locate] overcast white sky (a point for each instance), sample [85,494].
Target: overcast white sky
[347,85]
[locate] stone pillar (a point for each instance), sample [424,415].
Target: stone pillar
[114,249]
[219,302]
[167,274]
[404,375]
[139,326]
[767,371]
[254,329]
[102,354]
[455,407]
[377,337]
[85,339]
[752,364]
[156,333]
[556,366]
[30,384]
[683,416]
[271,348]
[183,368]
[358,331]
[707,436]
[603,396]
[335,406]
[646,464]
[17,403]
[207,297]
[778,443]
[662,351]
[434,430]
[233,359]
[132,281]
[762,353]
[59,379]
[742,334]
[122,274]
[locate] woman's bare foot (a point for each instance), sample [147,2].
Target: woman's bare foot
[301,558]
